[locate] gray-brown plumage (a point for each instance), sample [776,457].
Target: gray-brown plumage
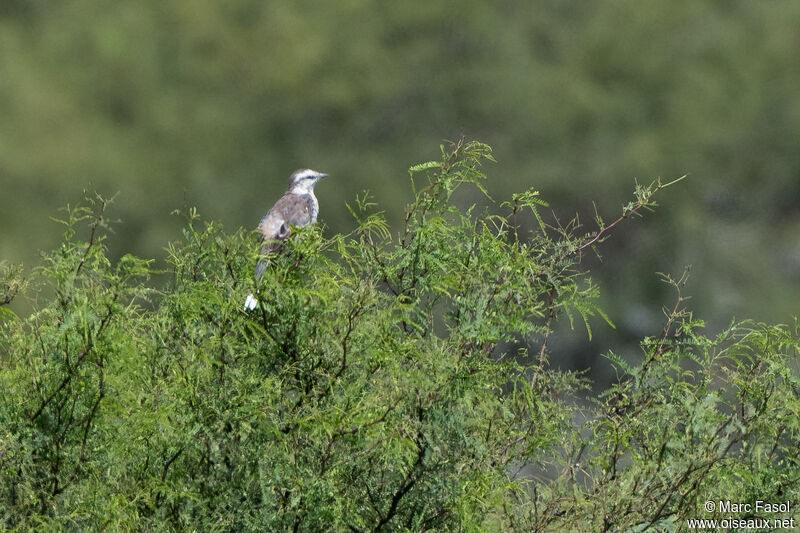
[298,207]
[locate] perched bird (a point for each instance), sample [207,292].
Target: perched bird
[298,207]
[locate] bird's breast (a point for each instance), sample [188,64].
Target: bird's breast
[313,208]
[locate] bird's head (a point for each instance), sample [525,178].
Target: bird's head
[303,181]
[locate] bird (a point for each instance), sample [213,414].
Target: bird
[297,207]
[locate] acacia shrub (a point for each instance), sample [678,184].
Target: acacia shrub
[383,383]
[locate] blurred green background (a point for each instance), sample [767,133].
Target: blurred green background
[175,103]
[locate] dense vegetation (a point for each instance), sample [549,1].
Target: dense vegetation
[215,103]
[383,383]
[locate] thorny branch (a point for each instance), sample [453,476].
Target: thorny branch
[98,220]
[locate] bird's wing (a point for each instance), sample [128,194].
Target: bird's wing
[296,209]
[292,209]
[273,226]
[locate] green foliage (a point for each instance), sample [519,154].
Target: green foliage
[377,386]
[213,104]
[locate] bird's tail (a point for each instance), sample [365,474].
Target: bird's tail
[261,267]
[251,302]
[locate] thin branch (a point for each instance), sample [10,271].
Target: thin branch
[627,213]
[94,225]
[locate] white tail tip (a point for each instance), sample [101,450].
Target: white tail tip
[250,303]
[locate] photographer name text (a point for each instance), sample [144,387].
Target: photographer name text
[759,506]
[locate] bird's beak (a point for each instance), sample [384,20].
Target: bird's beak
[320,176]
